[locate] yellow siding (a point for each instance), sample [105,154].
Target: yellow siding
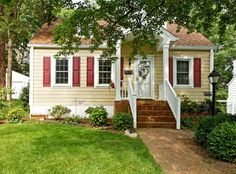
[68,96]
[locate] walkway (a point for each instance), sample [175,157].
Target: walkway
[170,150]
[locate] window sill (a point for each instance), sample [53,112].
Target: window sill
[102,85]
[183,86]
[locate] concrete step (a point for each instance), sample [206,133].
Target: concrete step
[156,125]
[155,119]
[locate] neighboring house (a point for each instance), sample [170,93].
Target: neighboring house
[179,65]
[19,81]
[231,100]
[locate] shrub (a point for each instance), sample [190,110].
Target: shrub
[206,124]
[222,142]
[59,111]
[2,115]
[188,106]
[122,121]
[24,97]
[186,123]
[97,115]
[72,120]
[15,115]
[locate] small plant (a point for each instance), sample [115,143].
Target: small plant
[188,106]
[186,123]
[122,121]
[222,142]
[15,115]
[207,124]
[4,92]
[97,115]
[72,120]
[59,111]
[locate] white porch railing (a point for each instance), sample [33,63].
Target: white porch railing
[174,102]
[124,89]
[132,97]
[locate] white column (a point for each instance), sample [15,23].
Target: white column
[165,68]
[31,87]
[117,70]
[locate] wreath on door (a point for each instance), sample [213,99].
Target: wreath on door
[143,70]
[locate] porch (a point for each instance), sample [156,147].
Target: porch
[151,104]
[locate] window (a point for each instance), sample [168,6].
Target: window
[182,72]
[62,71]
[104,74]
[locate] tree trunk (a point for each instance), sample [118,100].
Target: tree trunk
[9,64]
[2,65]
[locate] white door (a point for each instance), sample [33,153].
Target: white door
[143,74]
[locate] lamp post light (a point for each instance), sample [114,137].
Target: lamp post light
[213,77]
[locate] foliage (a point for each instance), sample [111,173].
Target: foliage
[15,115]
[207,124]
[2,115]
[4,92]
[188,106]
[97,115]
[59,111]
[122,121]
[72,120]
[186,123]
[24,97]
[222,142]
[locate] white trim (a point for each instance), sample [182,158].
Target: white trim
[173,47]
[190,60]
[117,70]
[31,87]
[53,72]
[103,46]
[75,110]
[96,73]
[165,59]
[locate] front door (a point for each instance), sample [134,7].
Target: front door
[143,75]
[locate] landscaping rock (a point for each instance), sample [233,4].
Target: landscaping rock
[131,134]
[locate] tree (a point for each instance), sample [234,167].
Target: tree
[108,20]
[2,65]
[19,19]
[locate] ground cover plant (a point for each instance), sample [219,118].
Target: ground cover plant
[59,148]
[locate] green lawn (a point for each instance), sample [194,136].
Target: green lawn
[55,148]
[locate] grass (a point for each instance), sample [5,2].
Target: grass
[57,148]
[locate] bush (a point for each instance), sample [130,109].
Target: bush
[122,121]
[59,111]
[72,120]
[186,123]
[15,115]
[97,115]
[24,97]
[188,106]
[222,142]
[205,126]
[2,115]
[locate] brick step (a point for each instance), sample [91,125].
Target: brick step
[154,113]
[155,119]
[153,107]
[156,125]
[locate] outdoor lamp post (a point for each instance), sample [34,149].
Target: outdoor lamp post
[213,77]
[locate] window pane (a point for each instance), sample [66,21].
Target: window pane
[104,72]
[182,72]
[62,71]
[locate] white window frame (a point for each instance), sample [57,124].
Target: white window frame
[96,75]
[191,73]
[53,72]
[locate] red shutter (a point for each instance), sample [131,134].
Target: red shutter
[90,71]
[76,71]
[197,72]
[171,70]
[46,71]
